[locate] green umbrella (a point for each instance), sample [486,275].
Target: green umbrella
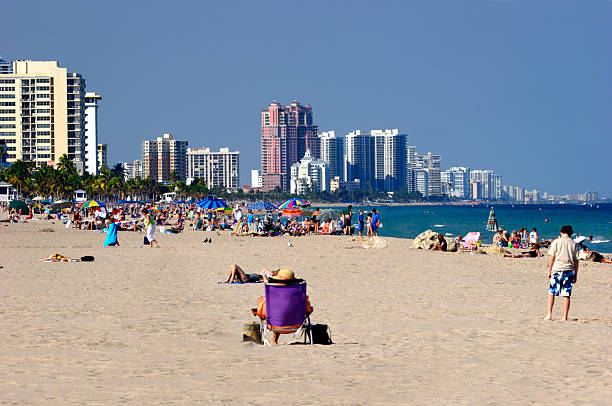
[19,205]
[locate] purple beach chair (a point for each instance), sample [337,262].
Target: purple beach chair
[286,306]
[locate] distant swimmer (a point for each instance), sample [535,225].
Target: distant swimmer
[591,237]
[546,220]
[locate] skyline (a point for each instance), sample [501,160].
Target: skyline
[502,96]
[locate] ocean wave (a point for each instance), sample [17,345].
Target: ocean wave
[439,225]
[448,234]
[599,241]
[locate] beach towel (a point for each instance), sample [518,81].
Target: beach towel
[238,283]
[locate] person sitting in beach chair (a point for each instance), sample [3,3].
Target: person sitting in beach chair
[470,242]
[285,308]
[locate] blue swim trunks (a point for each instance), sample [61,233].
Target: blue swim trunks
[561,284]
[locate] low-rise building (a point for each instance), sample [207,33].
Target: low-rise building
[309,174]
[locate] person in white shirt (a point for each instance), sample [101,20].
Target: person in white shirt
[533,237]
[562,270]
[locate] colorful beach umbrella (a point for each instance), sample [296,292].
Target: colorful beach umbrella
[262,205]
[293,203]
[492,221]
[212,202]
[90,204]
[292,212]
[227,209]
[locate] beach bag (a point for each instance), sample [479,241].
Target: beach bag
[252,332]
[87,258]
[321,334]
[145,241]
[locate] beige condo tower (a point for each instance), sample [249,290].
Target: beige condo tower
[42,113]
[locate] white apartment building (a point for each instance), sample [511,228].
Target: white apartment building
[91,132]
[255,178]
[421,181]
[457,182]
[42,113]
[490,184]
[431,162]
[133,170]
[332,151]
[216,168]
[309,174]
[163,156]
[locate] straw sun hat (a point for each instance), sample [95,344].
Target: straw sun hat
[285,274]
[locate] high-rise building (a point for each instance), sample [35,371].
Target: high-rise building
[431,162]
[286,133]
[42,113]
[457,181]
[490,184]
[421,181]
[255,178]
[5,67]
[91,132]
[215,168]
[359,158]
[133,170]
[310,174]
[332,151]
[102,156]
[163,156]
[390,159]
[410,166]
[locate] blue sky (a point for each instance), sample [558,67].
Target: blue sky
[521,87]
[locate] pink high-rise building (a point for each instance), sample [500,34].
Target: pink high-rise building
[286,133]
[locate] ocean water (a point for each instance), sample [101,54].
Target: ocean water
[409,221]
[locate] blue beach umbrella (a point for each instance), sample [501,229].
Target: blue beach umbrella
[212,202]
[262,205]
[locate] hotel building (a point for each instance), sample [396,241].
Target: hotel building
[215,168]
[163,156]
[332,151]
[286,133]
[358,158]
[42,113]
[310,174]
[133,170]
[102,150]
[389,159]
[91,133]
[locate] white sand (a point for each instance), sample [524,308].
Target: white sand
[151,326]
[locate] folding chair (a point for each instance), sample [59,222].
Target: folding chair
[470,242]
[286,310]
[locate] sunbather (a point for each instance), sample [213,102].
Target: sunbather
[534,252]
[56,258]
[236,274]
[594,256]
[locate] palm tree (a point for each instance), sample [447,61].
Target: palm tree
[64,165]
[19,175]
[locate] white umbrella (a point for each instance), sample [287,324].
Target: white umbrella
[38,198]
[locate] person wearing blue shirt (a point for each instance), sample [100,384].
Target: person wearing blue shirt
[251,221]
[375,222]
[360,223]
[111,233]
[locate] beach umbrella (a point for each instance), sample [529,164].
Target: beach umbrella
[90,204]
[212,202]
[38,198]
[19,205]
[292,212]
[492,221]
[293,203]
[262,205]
[227,209]
[61,204]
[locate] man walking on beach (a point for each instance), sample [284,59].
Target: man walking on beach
[149,223]
[562,270]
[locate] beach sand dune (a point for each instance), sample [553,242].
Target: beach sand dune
[152,326]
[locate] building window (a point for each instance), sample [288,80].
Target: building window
[7,96]
[43,103]
[7,118]
[7,89]
[7,81]
[41,111]
[7,126]
[43,125]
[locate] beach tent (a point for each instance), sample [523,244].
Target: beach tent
[262,205]
[293,203]
[212,202]
[19,205]
[492,222]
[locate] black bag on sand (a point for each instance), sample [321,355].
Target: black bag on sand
[321,334]
[87,258]
[145,240]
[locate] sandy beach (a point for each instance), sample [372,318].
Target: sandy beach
[152,326]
